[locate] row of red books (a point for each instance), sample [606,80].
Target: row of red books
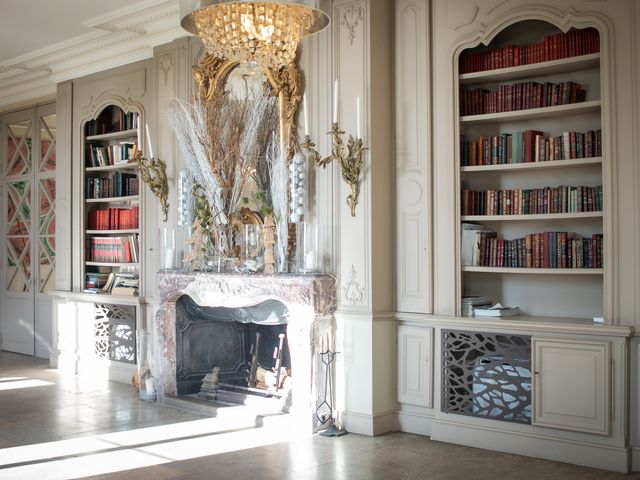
[553,47]
[562,199]
[539,250]
[530,146]
[113,249]
[114,219]
[520,96]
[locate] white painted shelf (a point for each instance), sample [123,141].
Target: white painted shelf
[572,163]
[108,232]
[130,198]
[545,271]
[533,113]
[539,216]
[114,135]
[118,166]
[564,65]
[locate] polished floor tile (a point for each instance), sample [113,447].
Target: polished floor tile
[55,426]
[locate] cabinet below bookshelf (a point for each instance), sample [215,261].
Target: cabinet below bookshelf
[546,271]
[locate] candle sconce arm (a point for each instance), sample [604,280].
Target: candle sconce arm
[350,163]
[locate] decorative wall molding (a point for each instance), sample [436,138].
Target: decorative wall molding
[351,19]
[352,291]
[460,14]
[165,63]
[121,37]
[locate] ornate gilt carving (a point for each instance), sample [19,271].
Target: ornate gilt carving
[286,83]
[153,172]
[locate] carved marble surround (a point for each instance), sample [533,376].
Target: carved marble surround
[310,301]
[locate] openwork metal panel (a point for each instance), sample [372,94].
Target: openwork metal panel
[487,375]
[115,332]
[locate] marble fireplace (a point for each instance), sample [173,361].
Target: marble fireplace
[301,306]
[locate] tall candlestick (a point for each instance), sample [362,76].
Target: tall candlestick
[146,126]
[358,117]
[306,114]
[335,101]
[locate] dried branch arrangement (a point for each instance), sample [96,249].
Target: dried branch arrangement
[222,139]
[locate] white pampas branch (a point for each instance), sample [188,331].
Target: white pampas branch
[279,182]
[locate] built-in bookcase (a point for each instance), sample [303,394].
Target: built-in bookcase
[530,161]
[111,193]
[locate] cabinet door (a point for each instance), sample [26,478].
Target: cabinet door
[414,365]
[572,385]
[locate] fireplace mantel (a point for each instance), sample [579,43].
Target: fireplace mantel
[310,300]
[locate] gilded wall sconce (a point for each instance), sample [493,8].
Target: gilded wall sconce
[153,172]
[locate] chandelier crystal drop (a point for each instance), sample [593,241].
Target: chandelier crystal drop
[264,32]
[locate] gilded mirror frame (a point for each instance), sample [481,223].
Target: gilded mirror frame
[286,83]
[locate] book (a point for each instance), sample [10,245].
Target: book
[496,310]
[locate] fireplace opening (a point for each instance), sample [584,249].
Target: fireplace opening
[233,354]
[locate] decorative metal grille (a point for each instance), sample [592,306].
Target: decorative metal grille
[115,332]
[487,375]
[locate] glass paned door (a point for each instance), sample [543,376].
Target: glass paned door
[28,224]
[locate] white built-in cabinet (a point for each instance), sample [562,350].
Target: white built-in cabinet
[415,351]
[572,385]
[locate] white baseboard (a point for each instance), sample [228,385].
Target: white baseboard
[635,459]
[370,425]
[418,423]
[561,450]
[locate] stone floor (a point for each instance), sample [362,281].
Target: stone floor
[54,426]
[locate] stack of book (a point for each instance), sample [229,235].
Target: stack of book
[496,310]
[113,219]
[562,199]
[113,249]
[535,250]
[470,303]
[119,185]
[530,146]
[125,284]
[520,96]
[553,47]
[101,156]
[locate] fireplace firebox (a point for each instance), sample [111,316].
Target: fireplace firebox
[243,343]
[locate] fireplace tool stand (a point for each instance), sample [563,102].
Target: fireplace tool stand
[324,411]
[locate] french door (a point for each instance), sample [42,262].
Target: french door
[28,229]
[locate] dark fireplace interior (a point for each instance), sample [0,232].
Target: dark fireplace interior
[208,337]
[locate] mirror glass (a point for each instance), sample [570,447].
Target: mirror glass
[245,83]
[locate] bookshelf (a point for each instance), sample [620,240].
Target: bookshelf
[111,215]
[533,127]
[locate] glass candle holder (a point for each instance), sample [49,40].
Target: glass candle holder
[309,252]
[251,249]
[168,248]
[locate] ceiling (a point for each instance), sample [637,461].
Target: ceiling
[29,25]
[46,42]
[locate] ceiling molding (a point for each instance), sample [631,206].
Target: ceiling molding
[120,37]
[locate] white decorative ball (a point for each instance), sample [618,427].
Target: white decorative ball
[298,158]
[300,211]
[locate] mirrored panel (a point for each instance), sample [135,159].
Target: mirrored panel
[18,159]
[48,143]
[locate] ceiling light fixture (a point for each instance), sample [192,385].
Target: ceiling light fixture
[264,32]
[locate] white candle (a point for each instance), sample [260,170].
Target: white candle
[358,117]
[335,101]
[169,253]
[146,126]
[310,260]
[306,114]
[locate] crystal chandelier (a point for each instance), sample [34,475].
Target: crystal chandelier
[264,32]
